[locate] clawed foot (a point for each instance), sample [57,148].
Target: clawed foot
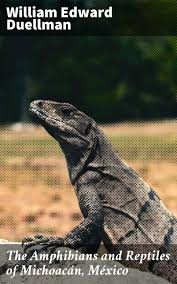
[43,241]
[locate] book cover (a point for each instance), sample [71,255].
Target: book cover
[88,142]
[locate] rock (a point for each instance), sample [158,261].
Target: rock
[3,241]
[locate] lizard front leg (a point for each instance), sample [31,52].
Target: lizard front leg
[87,236]
[29,242]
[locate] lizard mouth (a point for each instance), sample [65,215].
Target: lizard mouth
[47,120]
[37,112]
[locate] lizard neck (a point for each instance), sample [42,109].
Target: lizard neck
[77,159]
[99,157]
[104,154]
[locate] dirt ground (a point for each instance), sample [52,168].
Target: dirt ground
[37,197]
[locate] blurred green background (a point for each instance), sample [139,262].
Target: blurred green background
[111,78]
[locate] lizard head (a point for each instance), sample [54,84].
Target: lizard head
[63,121]
[73,129]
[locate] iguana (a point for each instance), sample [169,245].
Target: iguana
[118,206]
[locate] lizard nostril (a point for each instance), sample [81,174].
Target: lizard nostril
[39,104]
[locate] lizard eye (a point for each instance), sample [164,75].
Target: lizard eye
[88,128]
[67,112]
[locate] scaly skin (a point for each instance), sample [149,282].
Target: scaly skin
[118,206]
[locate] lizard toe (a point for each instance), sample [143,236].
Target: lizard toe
[54,242]
[26,240]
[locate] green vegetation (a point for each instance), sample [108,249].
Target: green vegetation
[111,78]
[27,148]
[130,147]
[146,148]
